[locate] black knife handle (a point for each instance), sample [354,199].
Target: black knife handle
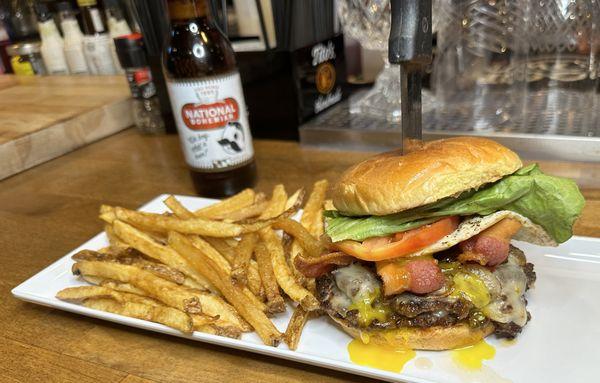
[410,32]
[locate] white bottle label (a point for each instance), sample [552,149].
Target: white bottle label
[212,122]
[98,54]
[96,20]
[76,60]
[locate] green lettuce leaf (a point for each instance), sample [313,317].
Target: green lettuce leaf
[551,202]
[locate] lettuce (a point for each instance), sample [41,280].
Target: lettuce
[551,202]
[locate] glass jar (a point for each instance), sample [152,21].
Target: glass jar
[26,58]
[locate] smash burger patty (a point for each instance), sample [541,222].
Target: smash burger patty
[338,290]
[420,252]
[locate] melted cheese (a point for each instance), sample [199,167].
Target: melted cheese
[510,305]
[363,290]
[471,288]
[367,310]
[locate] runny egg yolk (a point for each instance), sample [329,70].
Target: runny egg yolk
[378,356]
[472,357]
[367,312]
[471,288]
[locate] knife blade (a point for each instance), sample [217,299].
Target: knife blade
[410,46]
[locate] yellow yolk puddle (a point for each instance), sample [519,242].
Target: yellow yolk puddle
[377,356]
[472,357]
[508,342]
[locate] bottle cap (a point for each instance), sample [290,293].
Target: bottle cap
[42,11]
[130,50]
[25,48]
[87,3]
[64,6]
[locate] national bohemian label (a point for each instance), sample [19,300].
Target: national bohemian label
[212,122]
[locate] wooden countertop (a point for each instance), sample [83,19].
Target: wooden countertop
[50,209]
[43,117]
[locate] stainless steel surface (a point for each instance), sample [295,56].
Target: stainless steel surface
[337,129]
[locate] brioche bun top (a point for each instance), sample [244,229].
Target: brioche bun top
[391,182]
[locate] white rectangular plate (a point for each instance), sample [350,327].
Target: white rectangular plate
[560,344]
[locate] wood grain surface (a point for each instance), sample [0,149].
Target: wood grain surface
[44,117]
[50,209]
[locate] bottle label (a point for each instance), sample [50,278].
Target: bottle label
[21,67]
[212,122]
[140,83]
[96,20]
[97,52]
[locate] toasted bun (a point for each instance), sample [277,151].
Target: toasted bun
[431,338]
[391,182]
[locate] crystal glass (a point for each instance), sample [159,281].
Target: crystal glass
[563,66]
[368,22]
[479,67]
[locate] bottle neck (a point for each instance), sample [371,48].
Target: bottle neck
[181,10]
[70,28]
[48,29]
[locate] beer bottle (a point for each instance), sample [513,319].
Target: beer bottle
[207,100]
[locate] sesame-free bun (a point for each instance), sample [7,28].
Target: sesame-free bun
[416,338]
[391,182]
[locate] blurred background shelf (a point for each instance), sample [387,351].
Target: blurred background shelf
[338,129]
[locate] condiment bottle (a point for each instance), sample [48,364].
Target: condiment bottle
[208,103]
[96,41]
[52,48]
[146,107]
[73,39]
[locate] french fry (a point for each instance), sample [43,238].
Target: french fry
[244,213]
[223,247]
[312,216]
[160,314]
[275,302]
[276,204]
[81,293]
[118,286]
[207,266]
[295,200]
[188,300]
[312,220]
[295,327]
[328,205]
[176,207]
[224,267]
[130,256]
[113,239]
[283,274]
[200,226]
[311,245]
[254,282]
[242,199]
[239,269]
[132,305]
[146,245]
[167,292]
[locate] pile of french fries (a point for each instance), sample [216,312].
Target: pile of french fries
[223,269]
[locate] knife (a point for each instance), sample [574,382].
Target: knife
[410,46]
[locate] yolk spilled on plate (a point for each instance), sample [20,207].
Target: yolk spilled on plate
[472,357]
[378,356]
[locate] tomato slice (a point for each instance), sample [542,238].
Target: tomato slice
[402,244]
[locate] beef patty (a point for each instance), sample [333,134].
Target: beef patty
[412,310]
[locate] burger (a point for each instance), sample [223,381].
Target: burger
[420,254]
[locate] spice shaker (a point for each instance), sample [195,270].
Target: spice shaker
[146,108]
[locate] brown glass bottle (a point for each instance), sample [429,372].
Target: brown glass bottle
[207,101]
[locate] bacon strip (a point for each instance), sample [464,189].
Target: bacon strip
[420,276]
[314,267]
[491,246]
